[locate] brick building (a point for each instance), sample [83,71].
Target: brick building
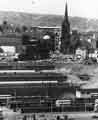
[11,40]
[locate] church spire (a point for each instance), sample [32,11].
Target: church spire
[65,33]
[66,12]
[66,17]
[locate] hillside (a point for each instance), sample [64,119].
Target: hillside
[82,24]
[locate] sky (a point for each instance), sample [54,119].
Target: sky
[81,8]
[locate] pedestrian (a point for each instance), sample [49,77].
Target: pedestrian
[25,117]
[58,117]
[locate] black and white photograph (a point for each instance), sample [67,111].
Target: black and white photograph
[48,59]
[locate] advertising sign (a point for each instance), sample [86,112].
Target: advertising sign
[62,102]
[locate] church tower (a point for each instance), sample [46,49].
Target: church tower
[65,33]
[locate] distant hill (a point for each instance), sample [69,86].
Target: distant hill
[18,18]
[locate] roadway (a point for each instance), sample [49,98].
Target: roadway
[8,114]
[71,115]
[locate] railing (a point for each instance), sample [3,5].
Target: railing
[41,116]
[33,108]
[45,104]
[39,112]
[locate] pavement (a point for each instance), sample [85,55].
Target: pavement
[71,115]
[9,114]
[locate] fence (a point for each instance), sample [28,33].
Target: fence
[39,113]
[81,107]
[49,105]
[26,117]
[42,116]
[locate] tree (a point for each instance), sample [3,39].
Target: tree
[24,28]
[74,42]
[17,29]
[5,22]
[25,39]
[1,29]
[4,25]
